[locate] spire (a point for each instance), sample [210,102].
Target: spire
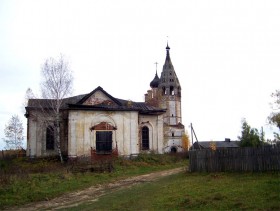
[167,62]
[167,47]
[168,76]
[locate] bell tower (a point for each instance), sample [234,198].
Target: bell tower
[165,93]
[170,92]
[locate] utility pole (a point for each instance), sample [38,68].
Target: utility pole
[193,133]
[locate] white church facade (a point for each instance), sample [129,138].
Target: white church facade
[104,124]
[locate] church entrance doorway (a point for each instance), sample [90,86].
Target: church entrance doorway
[173,150]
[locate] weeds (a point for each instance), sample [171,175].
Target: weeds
[24,180]
[162,159]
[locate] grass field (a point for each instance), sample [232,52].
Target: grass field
[193,191]
[22,181]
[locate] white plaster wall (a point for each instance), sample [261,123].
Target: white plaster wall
[172,111]
[160,133]
[36,143]
[173,141]
[155,125]
[179,112]
[31,142]
[81,138]
[176,142]
[72,150]
[134,133]
[125,127]
[39,138]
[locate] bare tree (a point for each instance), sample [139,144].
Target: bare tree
[274,117]
[28,95]
[14,133]
[56,85]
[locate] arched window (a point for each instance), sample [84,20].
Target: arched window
[50,138]
[145,138]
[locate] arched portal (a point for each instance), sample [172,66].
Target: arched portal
[173,150]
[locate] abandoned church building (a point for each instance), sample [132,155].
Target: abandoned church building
[102,123]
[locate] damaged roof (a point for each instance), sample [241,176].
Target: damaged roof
[113,104]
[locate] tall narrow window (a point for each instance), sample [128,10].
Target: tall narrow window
[163,91]
[145,138]
[172,90]
[103,142]
[50,138]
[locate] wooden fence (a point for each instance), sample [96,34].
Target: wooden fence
[4,154]
[235,159]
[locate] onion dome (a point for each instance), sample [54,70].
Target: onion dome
[155,82]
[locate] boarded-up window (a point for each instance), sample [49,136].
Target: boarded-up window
[145,138]
[50,138]
[104,142]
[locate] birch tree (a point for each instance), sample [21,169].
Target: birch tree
[56,85]
[14,133]
[274,117]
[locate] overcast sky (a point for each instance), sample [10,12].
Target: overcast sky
[226,54]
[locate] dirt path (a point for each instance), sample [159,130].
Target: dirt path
[94,192]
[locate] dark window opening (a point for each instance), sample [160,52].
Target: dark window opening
[50,138]
[172,134]
[145,138]
[104,142]
[172,90]
[163,91]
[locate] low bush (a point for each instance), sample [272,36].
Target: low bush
[162,159]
